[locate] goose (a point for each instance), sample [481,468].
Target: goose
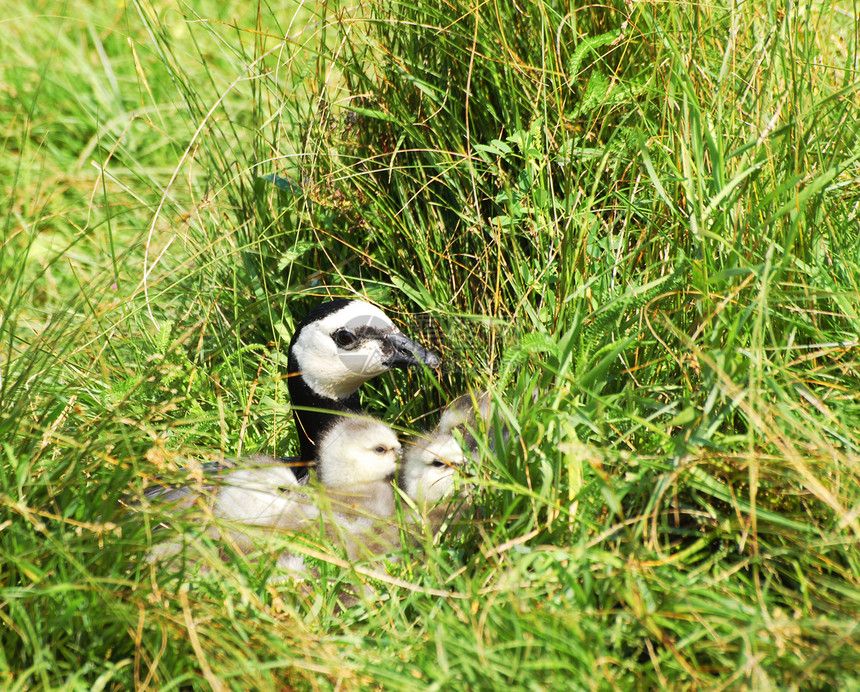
[337,347]
[463,413]
[429,467]
[427,477]
[266,494]
[356,463]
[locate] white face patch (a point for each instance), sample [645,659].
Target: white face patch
[335,371]
[357,450]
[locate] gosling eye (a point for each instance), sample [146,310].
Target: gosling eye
[380,449]
[438,463]
[344,338]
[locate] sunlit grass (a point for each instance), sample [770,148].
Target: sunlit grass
[635,225]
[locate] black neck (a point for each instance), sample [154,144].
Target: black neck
[311,425]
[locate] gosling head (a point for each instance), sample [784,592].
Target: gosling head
[356,451]
[431,463]
[429,467]
[344,343]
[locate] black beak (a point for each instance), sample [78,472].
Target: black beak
[406,352]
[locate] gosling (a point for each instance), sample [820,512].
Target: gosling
[432,463]
[356,464]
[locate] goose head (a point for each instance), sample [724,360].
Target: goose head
[344,343]
[357,451]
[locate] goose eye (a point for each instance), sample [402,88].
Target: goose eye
[344,338]
[438,463]
[380,449]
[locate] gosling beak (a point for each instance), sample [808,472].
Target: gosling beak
[405,352]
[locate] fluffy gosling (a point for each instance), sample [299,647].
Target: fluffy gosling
[356,464]
[433,461]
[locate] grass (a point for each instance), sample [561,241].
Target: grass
[635,224]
